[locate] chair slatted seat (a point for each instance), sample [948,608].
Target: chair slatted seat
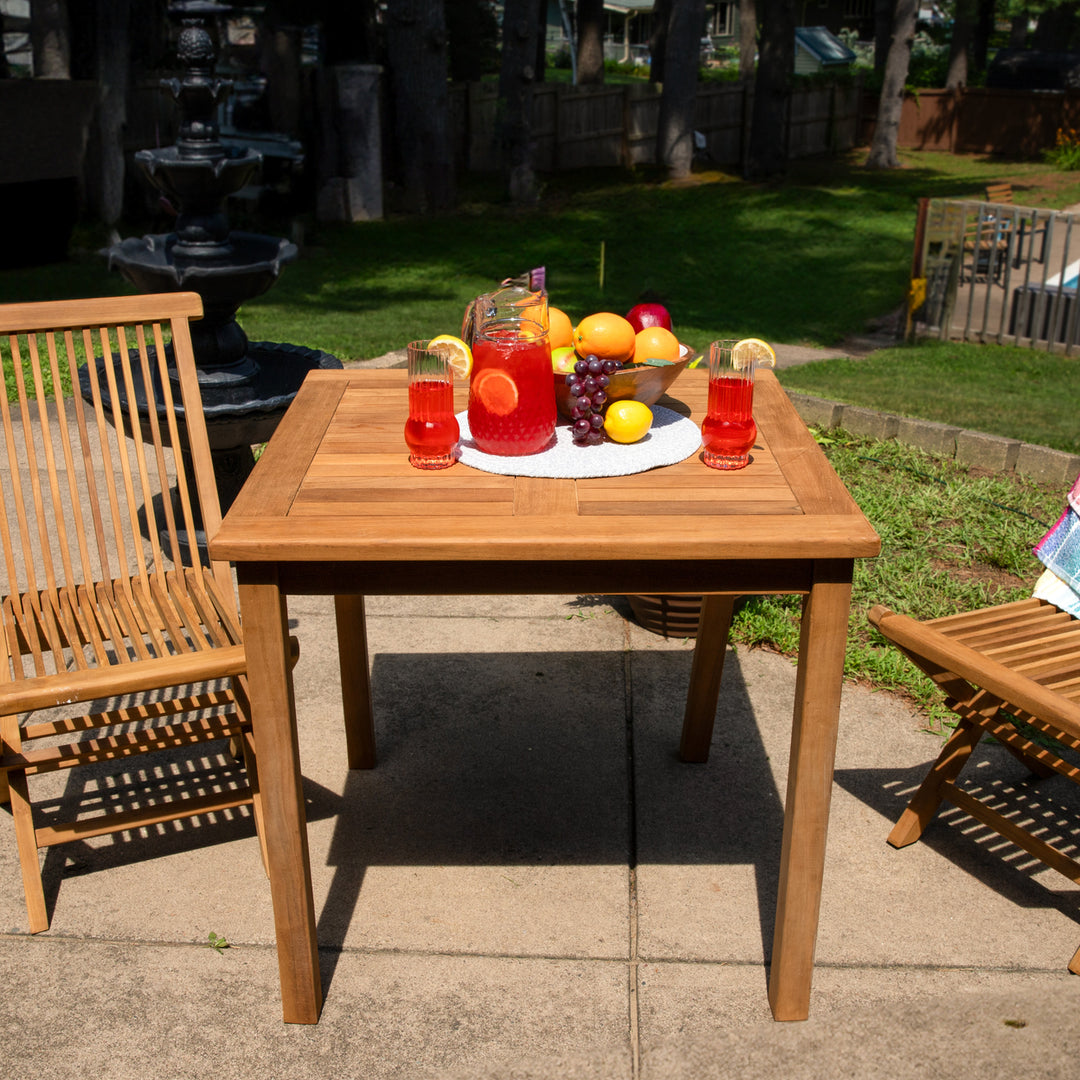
[1011,671]
[118,642]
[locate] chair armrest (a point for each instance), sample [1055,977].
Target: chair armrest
[917,639]
[66,687]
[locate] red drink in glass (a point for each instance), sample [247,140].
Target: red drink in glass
[512,393]
[728,431]
[431,432]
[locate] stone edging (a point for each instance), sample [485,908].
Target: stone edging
[1039,463]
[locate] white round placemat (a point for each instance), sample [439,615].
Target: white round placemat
[670,439]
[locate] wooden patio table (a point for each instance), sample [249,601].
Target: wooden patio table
[334,508]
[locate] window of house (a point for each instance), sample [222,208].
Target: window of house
[722,23]
[858,9]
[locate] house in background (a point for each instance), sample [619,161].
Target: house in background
[630,25]
[818,49]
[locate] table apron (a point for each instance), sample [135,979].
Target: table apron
[552,578]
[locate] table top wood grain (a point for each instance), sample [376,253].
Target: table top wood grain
[334,484]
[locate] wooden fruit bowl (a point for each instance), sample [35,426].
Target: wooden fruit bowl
[646,384]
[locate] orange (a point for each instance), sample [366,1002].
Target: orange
[655,343]
[560,328]
[605,335]
[497,392]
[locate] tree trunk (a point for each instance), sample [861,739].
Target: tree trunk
[980,38]
[590,36]
[675,129]
[658,41]
[279,60]
[767,152]
[957,76]
[104,171]
[516,78]
[540,63]
[416,57]
[883,148]
[5,71]
[747,39]
[50,39]
[883,19]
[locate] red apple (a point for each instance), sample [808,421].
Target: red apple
[642,315]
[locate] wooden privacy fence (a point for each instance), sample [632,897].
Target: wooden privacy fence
[584,127]
[980,120]
[994,272]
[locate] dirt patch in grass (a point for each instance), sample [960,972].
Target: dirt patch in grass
[995,579]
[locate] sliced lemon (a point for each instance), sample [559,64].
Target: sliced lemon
[752,351]
[456,351]
[498,393]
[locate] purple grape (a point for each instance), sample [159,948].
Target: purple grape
[572,378]
[585,401]
[582,367]
[582,427]
[610,366]
[596,421]
[603,382]
[598,399]
[576,387]
[595,366]
[590,384]
[577,412]
[594,438]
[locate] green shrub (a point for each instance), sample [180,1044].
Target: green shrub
[1065,154]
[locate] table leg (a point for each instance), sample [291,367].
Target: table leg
[264,615]
[806,809]
[355,681]
[705,675]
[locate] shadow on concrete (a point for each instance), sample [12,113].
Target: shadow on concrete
[548,758]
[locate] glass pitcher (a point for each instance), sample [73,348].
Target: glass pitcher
[512,390]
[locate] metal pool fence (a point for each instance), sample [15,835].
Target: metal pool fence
[995,272]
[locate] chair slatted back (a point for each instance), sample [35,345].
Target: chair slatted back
[93,493]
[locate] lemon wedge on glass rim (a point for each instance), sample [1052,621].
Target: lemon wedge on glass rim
[752,352]
[456,351]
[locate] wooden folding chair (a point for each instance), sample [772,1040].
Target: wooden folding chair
[1012,671]
[113,647]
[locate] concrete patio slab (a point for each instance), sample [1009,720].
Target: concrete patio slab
[530,884]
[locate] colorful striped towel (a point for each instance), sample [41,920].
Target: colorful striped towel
[1059,552]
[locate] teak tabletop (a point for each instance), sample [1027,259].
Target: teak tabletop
[333,507]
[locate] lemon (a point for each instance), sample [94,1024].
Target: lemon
[627,421]
[752,351]
[456,351]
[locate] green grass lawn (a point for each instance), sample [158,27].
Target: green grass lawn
[1018,393]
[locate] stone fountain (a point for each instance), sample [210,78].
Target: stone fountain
[246,385]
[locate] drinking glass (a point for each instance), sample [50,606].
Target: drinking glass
[432,431]
[728,431]
[512,391]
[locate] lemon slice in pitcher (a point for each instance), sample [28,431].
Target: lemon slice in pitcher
[752,351]
[456,351]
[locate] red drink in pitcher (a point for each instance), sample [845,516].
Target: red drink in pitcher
[728,431]
[512,394]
